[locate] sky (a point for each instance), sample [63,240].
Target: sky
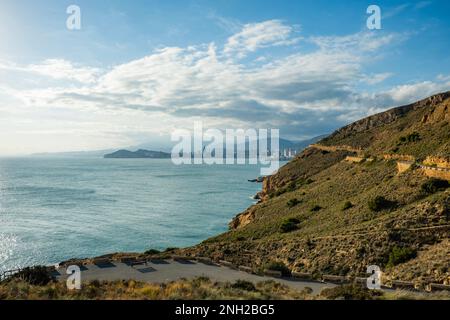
[138,70]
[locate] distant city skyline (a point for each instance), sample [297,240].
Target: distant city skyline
[136,71]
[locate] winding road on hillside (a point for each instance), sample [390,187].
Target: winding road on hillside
[169,270]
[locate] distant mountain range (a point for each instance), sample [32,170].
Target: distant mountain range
[146,150]
[141,153]
[149,154]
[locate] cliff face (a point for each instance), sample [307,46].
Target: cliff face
[319,213]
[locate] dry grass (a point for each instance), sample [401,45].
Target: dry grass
[196,289]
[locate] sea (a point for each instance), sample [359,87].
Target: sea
[56,208]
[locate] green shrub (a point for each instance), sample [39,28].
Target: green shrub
[347,205]
[349,292]
[244,285]
[399,255]
[289,225]
[316,208]
[412,137]
[278,266]
[38,276]
[380,203]
[293,202]
[434,185]
[292,186]
[152,251]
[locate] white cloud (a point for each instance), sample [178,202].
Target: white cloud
[255,36]
[304,93]
[377,78]
[416,91]
[62,69]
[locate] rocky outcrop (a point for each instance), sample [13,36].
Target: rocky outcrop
[243,219]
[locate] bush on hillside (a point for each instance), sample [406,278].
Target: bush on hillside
[316,208]
[292,186]
[412,137]
[152,251]
[347,205]
[399,255]
[278,266]
[37,276]
[380,203]
[434,185]
[349,292]
[293,202]
[289,225]
[244,285]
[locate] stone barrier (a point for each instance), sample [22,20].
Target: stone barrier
[335,279]
[245,269]
[181,258]
[127,259]
[302,275]
[205,260]
[101,261]
[397,284]
[227,264]
[438,287]
[273,273]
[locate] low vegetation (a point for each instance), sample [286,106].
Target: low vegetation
[278,266]
[412,137]
[380,203]
[289,225]
[38,275]
[434,185]
[350,292]
[347,205]
[195,289]
[293,202]
[399,255]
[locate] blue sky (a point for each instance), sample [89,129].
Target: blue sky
[139,69]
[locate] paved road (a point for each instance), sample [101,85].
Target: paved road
[169,270]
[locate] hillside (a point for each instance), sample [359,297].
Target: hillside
[364,195]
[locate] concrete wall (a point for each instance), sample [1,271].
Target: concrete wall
[336,148]
[354,159]
[399,157]
[403,166]
[436,172]
[441,162]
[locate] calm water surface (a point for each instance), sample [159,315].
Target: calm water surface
[53,209]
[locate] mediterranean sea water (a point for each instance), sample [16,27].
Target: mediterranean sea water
[52,209]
